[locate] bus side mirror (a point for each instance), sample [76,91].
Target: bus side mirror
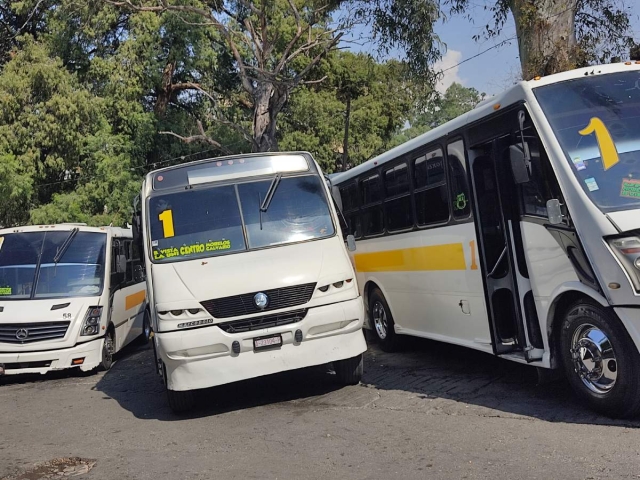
[554,212]
[351,243]
[519,162]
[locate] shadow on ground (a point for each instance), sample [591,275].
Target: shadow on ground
[434,370]
[134,384]
[425,376]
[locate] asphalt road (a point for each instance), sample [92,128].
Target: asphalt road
[433,411]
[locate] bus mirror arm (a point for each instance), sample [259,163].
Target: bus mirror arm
[520,156]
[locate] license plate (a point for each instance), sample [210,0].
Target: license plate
[271,341]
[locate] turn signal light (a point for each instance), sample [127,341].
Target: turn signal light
[77,361]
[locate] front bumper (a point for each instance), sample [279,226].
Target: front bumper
[203,357]
[42,362]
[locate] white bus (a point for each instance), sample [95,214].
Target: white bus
[515,230]
[70,297]
[248,273]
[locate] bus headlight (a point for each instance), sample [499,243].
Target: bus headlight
[91,324]
[627,250]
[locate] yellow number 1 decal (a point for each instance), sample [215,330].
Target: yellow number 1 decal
[166,218]
[607,148]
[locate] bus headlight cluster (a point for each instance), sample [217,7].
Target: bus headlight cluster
[91,324]
[179,313]
[627,250]
[339,284]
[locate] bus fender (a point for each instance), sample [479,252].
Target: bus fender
[561,297]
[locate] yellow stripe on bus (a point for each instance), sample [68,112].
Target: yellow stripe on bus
[435,257]
[134,299]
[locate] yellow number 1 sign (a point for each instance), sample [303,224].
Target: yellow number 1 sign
[607,148]
[166,218]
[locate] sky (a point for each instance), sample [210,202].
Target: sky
[491,72]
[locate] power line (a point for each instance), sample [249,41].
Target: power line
[497,45]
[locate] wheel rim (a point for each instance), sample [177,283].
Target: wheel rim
[380,323]
[108,349]
[594,360]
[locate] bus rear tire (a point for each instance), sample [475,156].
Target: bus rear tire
[382,322]
[350,370]
[600,360]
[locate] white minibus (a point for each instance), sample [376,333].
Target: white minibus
[70,297]
[248,273]
[515,230]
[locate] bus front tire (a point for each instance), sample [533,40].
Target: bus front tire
[108,348]
[181,402]
[600,360]
[145,336]
[349,371]
[382,322]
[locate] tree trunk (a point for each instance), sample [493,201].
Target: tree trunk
[269,99]
[345,145]
[164,91]
[546,36]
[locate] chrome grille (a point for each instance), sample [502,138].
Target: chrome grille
[237,305]
[265,321]
[32,332]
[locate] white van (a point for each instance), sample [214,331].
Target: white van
[70,296]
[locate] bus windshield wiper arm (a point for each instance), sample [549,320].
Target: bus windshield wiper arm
[65,246]
[271,192]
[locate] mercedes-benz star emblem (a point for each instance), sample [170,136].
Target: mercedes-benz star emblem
[261,300]
[22,334]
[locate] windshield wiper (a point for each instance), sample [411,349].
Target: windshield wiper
[65,246]
[271,192]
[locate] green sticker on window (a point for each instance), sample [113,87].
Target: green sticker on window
[5,290]
[461,202]
[630,188]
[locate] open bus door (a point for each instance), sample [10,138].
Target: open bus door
[509,297]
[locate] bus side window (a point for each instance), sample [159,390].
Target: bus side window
[117,250]
[458,180]
[431,195]
[372,216]
[129,256]
[542,185]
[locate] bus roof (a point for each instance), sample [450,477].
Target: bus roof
[483,109]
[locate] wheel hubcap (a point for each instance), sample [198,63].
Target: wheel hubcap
[594,360]
[380,320]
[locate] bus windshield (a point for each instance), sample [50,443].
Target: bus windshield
[597,122]
[214,220]
[28,267]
